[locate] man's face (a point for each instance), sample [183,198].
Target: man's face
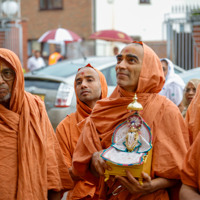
[165,68]
[7,76]
[116,51]
[128,68]
[88,86]
[37,54]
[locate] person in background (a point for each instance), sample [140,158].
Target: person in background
[115,51]
[192,116]
[90,86]
[35,61]
[174,85]
[55,57]
[138,70]
[190,174]
[189,93]
[32,163]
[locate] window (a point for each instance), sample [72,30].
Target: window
[51,4]
[33,45]
[144,1]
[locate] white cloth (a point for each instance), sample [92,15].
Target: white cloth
[174,85]
[35,63]
[117,153]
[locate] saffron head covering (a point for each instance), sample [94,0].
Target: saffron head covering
[158,113]
[82,108]
[68,134]
[37,162]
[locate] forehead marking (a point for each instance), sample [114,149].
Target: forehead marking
[82,73]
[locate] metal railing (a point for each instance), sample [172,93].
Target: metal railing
[11,37]
[183,38]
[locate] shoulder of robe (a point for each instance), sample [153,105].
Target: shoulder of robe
[168,105]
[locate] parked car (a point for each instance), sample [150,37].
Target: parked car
[190,74]
[178,70]
[55,84]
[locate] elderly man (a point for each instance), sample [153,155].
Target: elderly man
[138,71]
[90,86]
[32,163]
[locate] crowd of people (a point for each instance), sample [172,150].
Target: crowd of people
[38,164]
[175,89]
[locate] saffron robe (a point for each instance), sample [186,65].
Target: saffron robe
[68,133]
[31,161]
[170,135]
[190,173]
[193,116]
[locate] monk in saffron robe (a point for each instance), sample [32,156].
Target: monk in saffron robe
[90,85]
[31,160]
[190,175]
[193,116]
[138,71]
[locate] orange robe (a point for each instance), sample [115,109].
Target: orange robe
[170,136]
[192,118]
[190,174]
[67,133]
[31,159]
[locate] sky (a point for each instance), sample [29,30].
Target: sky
[145,21]
[136,19]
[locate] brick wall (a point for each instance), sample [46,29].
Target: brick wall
[25,43]
[160,47]
[196,47]
[76,16]
[10,39]
[2,39]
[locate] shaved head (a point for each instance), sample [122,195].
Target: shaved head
[88,86]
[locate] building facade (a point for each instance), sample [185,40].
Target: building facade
[45,15]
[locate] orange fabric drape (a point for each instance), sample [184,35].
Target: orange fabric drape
[192,118]
[67,133]
[34,162]
[190,174]
[170,136]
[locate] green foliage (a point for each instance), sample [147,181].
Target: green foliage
[195,12]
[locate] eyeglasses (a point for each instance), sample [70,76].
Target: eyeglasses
[187,90]
[7,74]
